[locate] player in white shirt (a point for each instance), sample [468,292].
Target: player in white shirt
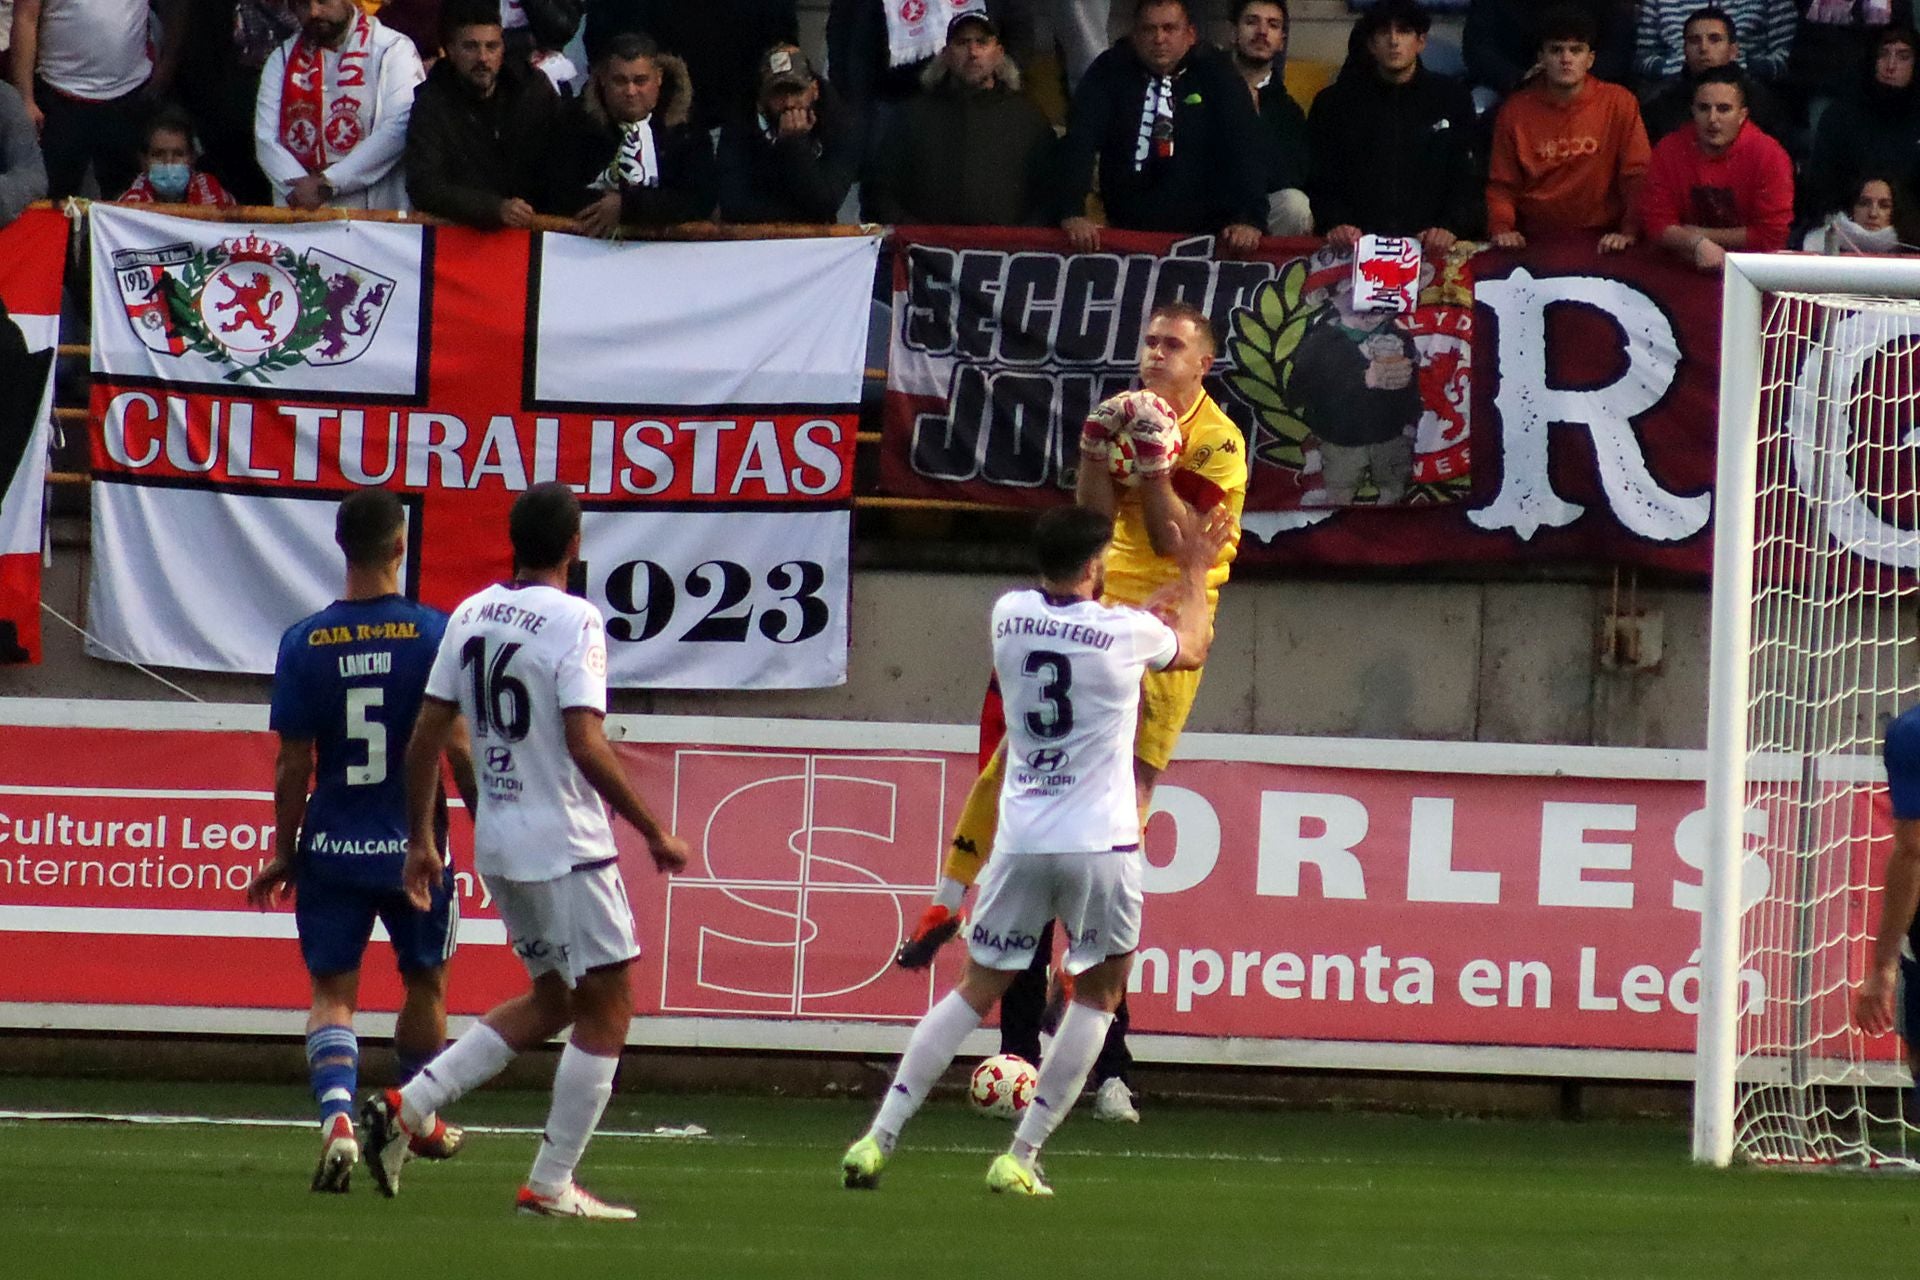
[1069,836]
[526,665]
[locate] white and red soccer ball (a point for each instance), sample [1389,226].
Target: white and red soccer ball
[1002,1086]
[1143,410]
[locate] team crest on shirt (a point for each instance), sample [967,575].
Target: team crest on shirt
[343,126]
[251,303]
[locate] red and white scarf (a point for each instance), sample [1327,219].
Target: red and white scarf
[319,127]
[202,188]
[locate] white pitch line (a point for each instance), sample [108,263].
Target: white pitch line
[268,1122]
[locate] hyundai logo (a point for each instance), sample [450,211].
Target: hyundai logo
[1046,759]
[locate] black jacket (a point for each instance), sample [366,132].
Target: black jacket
[465,154]
[1329,386]
[721,42]
[965,157]
[859,59]
[1826,55]
[1214,175]
[1395,159]
[1872,131]
[1284,135]
[586,140]
[802,179]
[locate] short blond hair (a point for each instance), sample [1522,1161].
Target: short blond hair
[1202,324]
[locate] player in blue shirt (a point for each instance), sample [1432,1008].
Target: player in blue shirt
[1889,970]
[346,688]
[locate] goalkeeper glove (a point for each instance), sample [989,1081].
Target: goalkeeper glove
[1108,420]
[937,926]
[1149,409]
[1155,447]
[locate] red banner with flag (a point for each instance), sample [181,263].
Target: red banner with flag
[32,255]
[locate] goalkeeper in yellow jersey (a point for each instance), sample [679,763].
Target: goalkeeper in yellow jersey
[1189,460]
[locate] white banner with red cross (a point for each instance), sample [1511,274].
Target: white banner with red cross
[702,399]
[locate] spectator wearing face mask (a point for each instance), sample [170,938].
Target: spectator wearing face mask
[168,175]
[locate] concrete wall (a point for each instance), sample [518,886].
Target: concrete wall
[1494,662]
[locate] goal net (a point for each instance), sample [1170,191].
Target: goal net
[1814,638]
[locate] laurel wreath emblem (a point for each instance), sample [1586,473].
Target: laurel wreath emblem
[1265,335]
[183,294]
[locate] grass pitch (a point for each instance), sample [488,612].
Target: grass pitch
[1188,1193]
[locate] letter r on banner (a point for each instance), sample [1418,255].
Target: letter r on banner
[1285,845]
[1530,405]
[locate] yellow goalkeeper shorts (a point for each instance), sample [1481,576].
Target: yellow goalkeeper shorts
[1166,699]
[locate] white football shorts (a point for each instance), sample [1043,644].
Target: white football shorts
[1095,895]
[569,925]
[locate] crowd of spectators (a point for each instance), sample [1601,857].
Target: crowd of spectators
[1693,128]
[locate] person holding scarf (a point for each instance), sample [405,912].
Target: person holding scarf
[624,152]
[1173,133]
[330,124]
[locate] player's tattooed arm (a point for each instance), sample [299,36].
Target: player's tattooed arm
[292,772]
[587,744]
[433,731]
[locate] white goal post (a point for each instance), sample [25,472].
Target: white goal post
[1811,651]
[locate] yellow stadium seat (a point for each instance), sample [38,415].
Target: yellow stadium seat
[1306,77]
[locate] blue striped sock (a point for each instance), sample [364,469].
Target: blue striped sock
[333,1066]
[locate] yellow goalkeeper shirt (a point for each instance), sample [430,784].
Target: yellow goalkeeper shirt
[1212,470]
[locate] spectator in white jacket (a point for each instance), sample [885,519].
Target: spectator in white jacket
[330,125]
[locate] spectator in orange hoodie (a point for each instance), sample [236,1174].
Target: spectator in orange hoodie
[1720,185]
[1568,150]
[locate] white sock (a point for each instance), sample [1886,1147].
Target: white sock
[467,1063]
[931,1049]
[581,1088]
[1063,1074]
[950,894]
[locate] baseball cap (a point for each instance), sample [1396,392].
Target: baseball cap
[973,15]
[785,67]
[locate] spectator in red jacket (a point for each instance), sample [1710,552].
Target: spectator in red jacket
[1722,184]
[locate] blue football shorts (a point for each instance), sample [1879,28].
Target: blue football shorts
[335,921]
